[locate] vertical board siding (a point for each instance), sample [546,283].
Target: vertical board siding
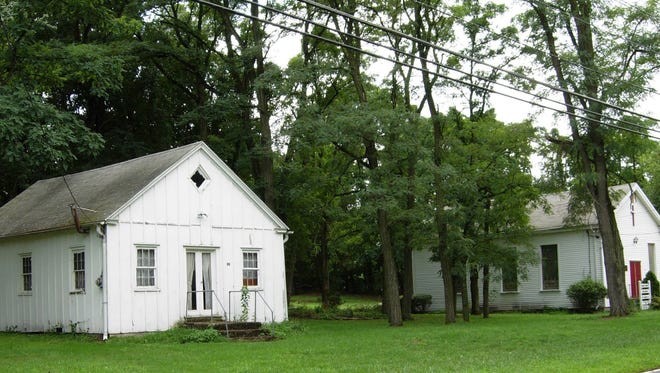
[51,303]
[645,231]
[167,215]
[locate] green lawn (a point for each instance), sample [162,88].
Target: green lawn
[348,301]
[506,342]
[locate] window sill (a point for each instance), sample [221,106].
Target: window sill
[146,290]
[549,291]
[25,294]
[80,291]
[510,292]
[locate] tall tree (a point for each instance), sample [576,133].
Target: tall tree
[608,63]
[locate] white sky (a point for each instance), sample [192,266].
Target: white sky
[507,109]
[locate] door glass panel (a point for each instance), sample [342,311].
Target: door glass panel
[206,280]
[192,283]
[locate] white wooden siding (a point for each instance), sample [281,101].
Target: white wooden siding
[168,215]
[51,303]
[575,254]
[579,255]
[646,230]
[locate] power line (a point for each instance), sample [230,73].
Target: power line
[463,56]
[531,47]
[410,55]
[362,51]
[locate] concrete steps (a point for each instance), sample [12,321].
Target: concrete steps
[230,329]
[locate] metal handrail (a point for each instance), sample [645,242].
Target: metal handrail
[258,292]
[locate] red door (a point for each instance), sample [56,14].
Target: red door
[635,276]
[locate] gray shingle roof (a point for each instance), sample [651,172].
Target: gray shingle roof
[558,212]
[44,206]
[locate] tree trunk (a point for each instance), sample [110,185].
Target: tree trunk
[325,271]
[474,289]
[391,302]
[486,290]
[265,137]
[590,147]
[390,278]
[612,251]
[465,303]
[408,284]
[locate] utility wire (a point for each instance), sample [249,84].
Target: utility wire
[463,56]
[531,47]
[372,54]
[410,55]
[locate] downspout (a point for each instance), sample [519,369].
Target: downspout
[100,229]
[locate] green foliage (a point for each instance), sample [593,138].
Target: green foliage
[542,342]
[334,300]
[245,304]
[178,335]
[283,329]
[38,140]
[421,303]
[353,313]
[586,294]
[655,284]
[202,336]
[655,303]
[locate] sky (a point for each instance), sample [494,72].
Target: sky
[507,109]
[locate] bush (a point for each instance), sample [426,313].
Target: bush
[201,336]
[655,285]
[334,300]
[586,295]
[421,303]
[282,329]
[655,303]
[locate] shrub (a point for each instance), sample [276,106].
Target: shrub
[586,294]
[655,303]
[655,285]
[421,303]
[282,329]
[334,300]
[201,336]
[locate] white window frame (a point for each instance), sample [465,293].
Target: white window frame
[257,269]
[154,248]
[22,290]
[74,286]
[207,179]
[543,288]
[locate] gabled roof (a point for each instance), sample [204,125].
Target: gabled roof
[558,208]
[101,192]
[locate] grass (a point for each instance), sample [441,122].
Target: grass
[348,301]
[509,342]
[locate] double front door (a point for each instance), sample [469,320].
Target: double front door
[199,276]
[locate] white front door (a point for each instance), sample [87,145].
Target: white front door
[199,276]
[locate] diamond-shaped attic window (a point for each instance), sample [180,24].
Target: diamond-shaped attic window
[198,178]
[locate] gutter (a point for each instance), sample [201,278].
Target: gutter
[101,230]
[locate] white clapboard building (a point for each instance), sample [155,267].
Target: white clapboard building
[138,246]
[566,253]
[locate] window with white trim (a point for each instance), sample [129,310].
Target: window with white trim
[26,272]
[200,178]
[145,269]
[250,268]
[78,270]
[549,267]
